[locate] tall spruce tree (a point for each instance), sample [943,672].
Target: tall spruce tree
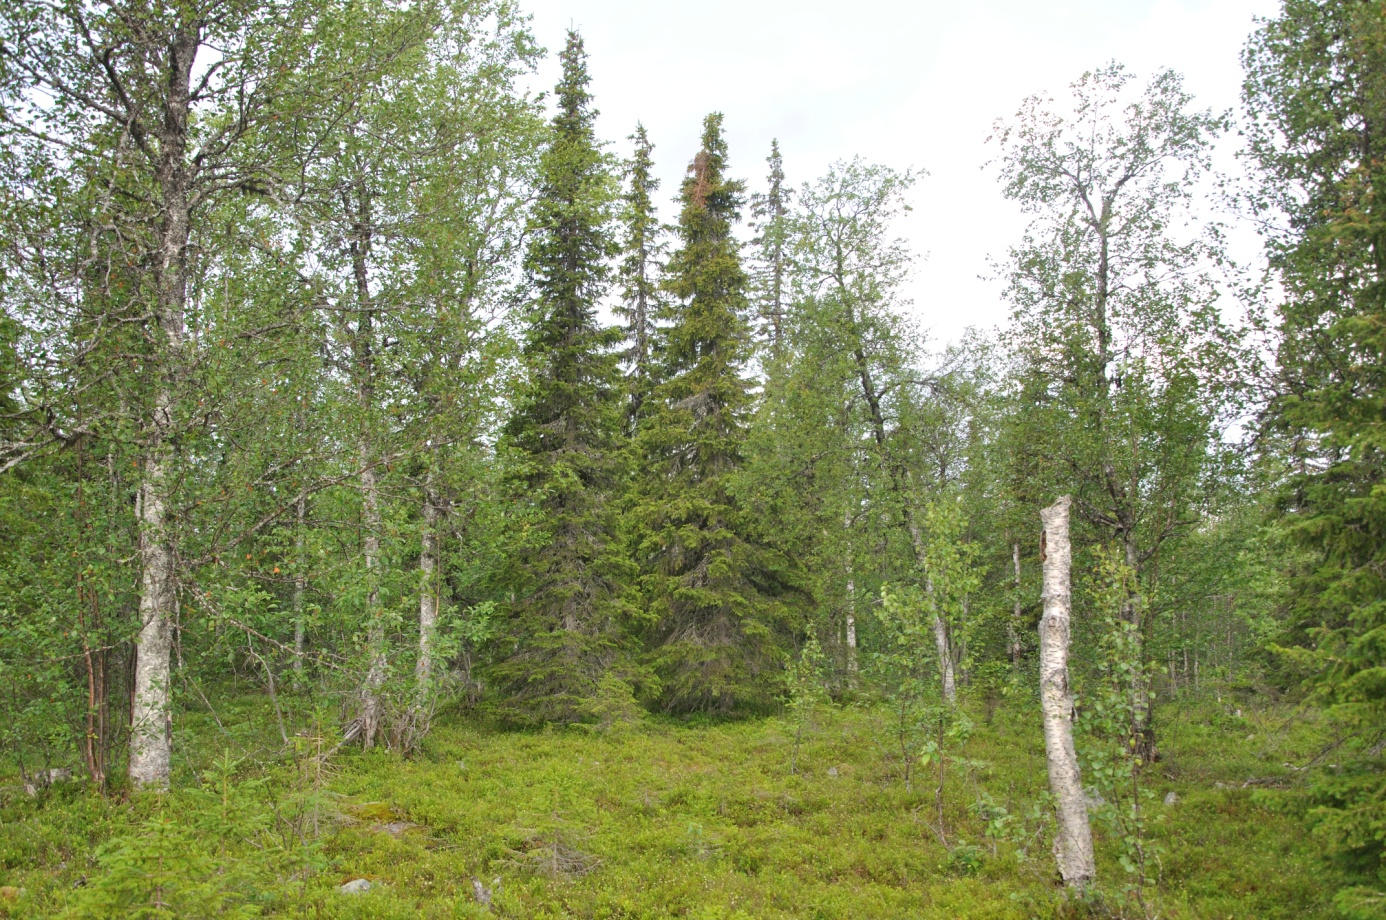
[771,215]
[718,592]
[1316,93]
[643,248]
[567,572]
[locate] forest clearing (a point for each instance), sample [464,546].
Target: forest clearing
[404,511]
[675,820]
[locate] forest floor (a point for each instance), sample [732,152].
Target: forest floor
[664,819]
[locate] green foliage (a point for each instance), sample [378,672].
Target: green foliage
[721,596]
[643,248]
[569,575]
[682,818]
[301,348]
[920,725]
[804,692]
[1314,92]
[1112,704]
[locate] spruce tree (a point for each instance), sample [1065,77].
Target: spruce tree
[771,215]
[717,591]
[1316,94]
[643,248]
[567,572]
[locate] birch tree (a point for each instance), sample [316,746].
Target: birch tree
[1073,845]
[173,98]
[1119,351]
[850,270]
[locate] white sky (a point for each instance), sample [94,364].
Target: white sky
[900,83]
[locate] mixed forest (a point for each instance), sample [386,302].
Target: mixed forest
[409,508]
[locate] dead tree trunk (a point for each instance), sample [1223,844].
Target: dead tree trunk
[1073,843]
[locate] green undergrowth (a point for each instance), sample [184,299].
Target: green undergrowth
[663,819]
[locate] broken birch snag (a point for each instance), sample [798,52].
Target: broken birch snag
[1073,844]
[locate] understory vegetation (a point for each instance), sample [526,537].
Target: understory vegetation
[671,819]
[404,510]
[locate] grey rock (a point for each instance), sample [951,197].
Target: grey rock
[355,886]
[45,778]
[832,771]
[1171,798]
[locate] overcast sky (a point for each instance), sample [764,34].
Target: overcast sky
[902,83]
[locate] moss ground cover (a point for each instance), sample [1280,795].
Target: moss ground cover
[664,819]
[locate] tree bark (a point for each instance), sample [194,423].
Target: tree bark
[851,626]
[371,709]
[150,727]
[300,584]
[428,597]
[896,477]
[1142,725]
[945,654]
[1073,843]
[1013,627]
[851,612]
[363,359]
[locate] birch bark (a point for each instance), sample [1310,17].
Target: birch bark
[1073,843]
[1013,627]
[428,598]
[150,728]
[363,348]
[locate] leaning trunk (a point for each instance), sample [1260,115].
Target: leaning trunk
[1073,844]
[945,654]
[898,485]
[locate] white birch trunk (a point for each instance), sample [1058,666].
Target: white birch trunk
[375,632]
[428,598]
[150,715]
[150,725]
[1073,844]
[945,654]
[363,357]
[851,625]
[1013,627]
